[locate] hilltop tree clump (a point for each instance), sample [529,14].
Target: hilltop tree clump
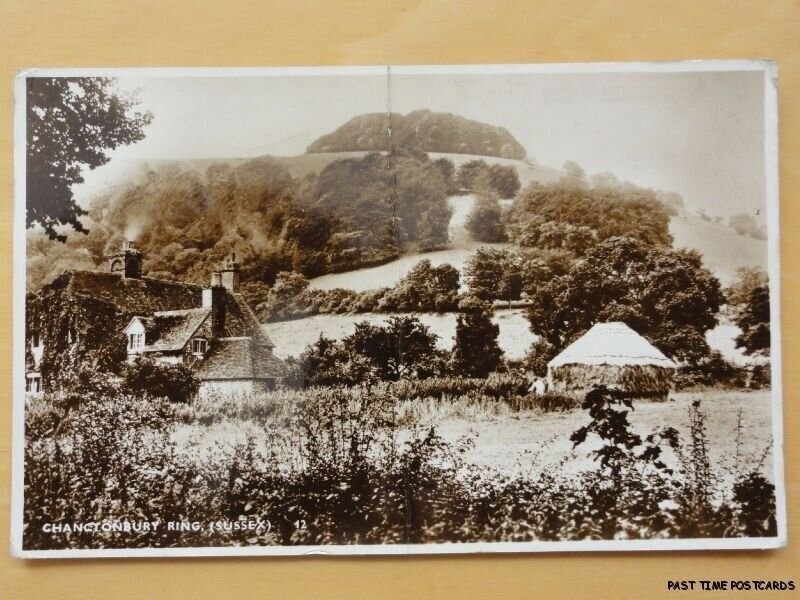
[423,130]
[665,295]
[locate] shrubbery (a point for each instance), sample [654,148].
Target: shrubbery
[175,382]
[351,481]
[714,371]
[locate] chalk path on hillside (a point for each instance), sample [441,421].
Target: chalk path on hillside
[462,247]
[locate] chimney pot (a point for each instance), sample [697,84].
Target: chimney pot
[128,261]
[214,297]
[230,273]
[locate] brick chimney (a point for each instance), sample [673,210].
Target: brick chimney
[215,297]
[230,273]
[128,261]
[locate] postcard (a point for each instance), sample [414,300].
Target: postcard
[397,309]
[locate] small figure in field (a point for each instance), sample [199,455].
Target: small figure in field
[538,387]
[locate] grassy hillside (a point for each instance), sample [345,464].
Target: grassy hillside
[722,248]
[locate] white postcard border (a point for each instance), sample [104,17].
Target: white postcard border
[769,68]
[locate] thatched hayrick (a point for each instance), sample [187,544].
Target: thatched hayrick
[614,355]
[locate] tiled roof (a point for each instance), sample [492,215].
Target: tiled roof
[237,358]
[172,312]
[172,329]
[134,296]
[249,322]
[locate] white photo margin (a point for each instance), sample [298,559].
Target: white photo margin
[767,67]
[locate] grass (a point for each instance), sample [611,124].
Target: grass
[358,468]
[715,241]
[504,437]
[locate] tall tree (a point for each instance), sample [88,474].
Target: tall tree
[476,352]
[754,322]
[71,124]
[665,295]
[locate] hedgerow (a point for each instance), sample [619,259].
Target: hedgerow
[348,478]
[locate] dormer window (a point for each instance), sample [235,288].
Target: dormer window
[135,332]
[72,335]
[135,341]
[199,346]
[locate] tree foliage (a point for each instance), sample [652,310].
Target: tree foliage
[476,352]
[754,321]
[424,288]
[476,175]
[738,293]
[404,347]
[747,224]
[485,221]
[665,295]
[355,213]
[572,216]
[494,274]
[71,124]
[504,180]
[175,382]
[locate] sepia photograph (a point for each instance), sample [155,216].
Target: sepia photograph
[397,309]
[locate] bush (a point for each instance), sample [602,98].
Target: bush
[715,371]
[349,479]
[176,383]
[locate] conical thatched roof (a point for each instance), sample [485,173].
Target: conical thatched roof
[611,344]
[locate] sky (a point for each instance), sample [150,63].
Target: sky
[700,134]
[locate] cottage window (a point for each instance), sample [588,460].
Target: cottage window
[199,346]
[72,335]
[33,383]
[36,338]
[135,341]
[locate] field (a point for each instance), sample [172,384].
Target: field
[722,248]
[517,442]
[531,440]
[515,337]
[365,465]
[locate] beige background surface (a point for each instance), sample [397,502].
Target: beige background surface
[47,33]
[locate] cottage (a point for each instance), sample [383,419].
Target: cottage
[614,355]
[96,319]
